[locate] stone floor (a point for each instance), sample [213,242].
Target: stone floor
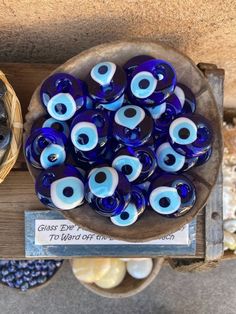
[172,292]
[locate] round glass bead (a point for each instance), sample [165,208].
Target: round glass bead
[134,62]
[172,195]
[190,135]
[5,136]
[49,122]
[136,163]
[172,110]
[89,133]
[107,191]
[60,187]
[134,209]
[132,125]
[63,83]
[152,82]
[186,98]
[3,112]
[106,82]
[45,147]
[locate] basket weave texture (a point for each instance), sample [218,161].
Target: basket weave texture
[15,122]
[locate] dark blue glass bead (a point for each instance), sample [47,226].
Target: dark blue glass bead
[168,159]
[44,272]
[4,271]
[11,284]
[112,106]
[134,209]
[186,98]
[23,264]
[107,191]
[60,187]
[36,273]
[27,278]
[3,112]
[11,268]
[202,159]
[51,265]
[19,273]
[49,122]
[45,147]
[106,82]
[134,62]
[24,287]
[152,83]
[5,136]
[33,283]
[10,277]
[189,163]
[190,135]
[63,83]
[136,163]
[27,272]
[90,132]
[41,279]
[172,110]
[132,125]
[58,263]
[3,263]
[172,195]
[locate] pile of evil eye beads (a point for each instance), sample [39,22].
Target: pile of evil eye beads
[120,140]
[24,275]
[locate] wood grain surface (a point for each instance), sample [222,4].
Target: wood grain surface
[17,192]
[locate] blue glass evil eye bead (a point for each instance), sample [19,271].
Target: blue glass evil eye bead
[186,98]
[190,135]
[202,159]
[60,187]
[90,132]
[106,82]
[63,83]
[134,62]
[107,191]
[172,110]
[46,140]
[132,125]
[48,122]
[152,82]
[136,163]
[134,209]
[172,195]
[168,159]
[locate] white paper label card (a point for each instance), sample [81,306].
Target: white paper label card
[48,233]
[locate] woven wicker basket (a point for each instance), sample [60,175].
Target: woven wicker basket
[15,123]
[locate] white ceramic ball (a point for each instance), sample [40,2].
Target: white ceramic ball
[140,269]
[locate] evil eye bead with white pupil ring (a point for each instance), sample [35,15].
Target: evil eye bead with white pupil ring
[63,83]
[186,98]
[172,110]
[152,82]
[48,122]
[106,82]
[137,163]
[89,130]
[134,209]
[60,187]
[190,135]
[134,62]
[38,141]
[107,191]
[132,125]
[172,195]
[168,159]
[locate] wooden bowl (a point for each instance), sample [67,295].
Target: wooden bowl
[151,225]
[129,286]
[15,123]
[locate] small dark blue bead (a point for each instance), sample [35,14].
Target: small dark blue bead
[24,287]
[41,279]
[19,274]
